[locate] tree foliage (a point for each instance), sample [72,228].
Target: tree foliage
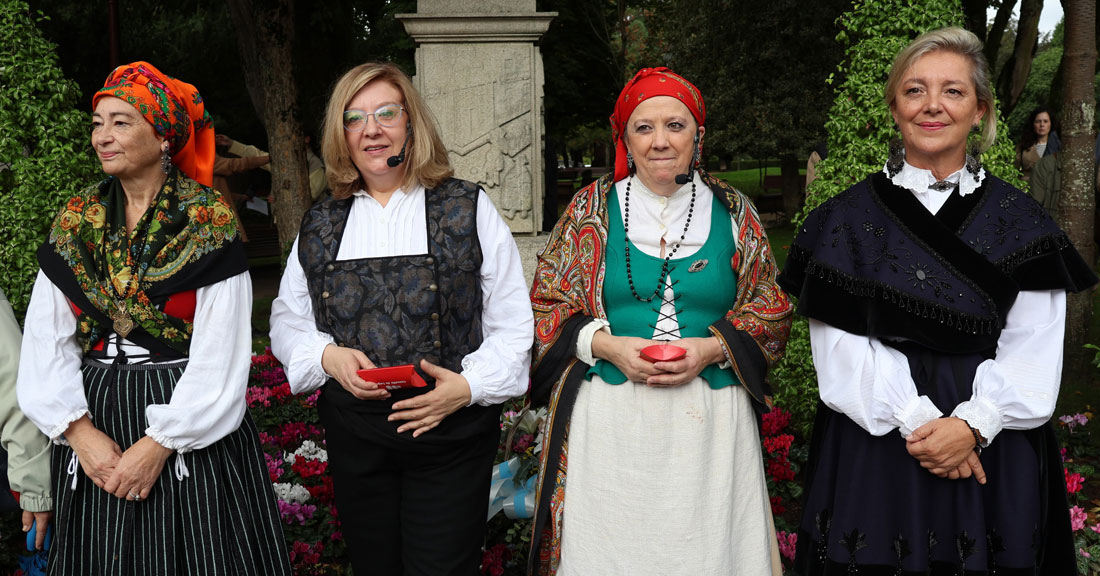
[45,155]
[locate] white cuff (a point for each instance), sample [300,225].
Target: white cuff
[584,339]
[981,415]
[57,434]
[165,441]
[475,384]
[916,413]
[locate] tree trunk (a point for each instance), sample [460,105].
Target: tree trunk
[997,33]
[1078,203]
[265,38]
[974,14]
[1014,75]
[792,185]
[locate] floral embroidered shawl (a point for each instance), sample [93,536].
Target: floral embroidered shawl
[567,294]
[187,239]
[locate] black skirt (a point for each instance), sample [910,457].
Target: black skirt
[220,519]
[871,509]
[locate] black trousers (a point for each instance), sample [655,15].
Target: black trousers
[408,507]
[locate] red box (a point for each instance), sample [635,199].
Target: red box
[663,353]
[393,377]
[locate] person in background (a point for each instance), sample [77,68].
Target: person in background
[137,349]
[318,184]
[936,298]
[819,153]
[27,448]
[1039,140]
[228,166]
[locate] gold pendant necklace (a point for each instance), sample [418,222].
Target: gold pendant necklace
[121,320]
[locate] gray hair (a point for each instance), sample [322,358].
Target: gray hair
[958,41]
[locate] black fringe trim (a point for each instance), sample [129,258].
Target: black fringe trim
[871,290]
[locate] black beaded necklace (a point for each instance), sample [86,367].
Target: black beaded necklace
[626,241]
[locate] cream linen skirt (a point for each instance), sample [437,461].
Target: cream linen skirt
[665,481]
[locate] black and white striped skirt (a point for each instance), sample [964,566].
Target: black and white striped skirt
[221,519]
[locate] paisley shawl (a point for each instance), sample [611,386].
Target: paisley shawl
[568,292]
[187,239]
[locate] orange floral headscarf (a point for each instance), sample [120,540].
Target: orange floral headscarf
[646,84]
[176,111]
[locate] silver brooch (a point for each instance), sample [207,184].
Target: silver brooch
[697,265]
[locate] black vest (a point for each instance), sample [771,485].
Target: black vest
[399,309]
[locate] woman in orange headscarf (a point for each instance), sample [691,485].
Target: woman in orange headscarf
[665,474]
[136,353]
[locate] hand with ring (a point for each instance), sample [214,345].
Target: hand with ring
[136,497]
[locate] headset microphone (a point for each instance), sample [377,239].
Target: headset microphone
[395,161]
[682,179]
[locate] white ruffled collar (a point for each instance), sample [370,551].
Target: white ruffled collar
[919,180]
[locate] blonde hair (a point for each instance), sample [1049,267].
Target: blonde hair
[426,161]
[957,41]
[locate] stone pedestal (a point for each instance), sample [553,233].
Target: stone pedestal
[479,69]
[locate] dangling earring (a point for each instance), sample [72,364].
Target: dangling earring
[165,160]
[896,159]
[974,153]
[630,163]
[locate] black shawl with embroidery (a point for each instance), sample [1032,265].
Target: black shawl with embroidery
[873,261]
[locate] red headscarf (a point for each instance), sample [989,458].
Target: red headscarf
[647,83]
[176,111]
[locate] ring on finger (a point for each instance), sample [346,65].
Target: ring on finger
[133,496]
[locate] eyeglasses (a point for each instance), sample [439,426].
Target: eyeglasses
[388,115]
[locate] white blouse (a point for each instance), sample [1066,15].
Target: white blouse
[496,371]
[208,401]
[1016,389]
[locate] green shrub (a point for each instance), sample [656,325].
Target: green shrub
[45,155]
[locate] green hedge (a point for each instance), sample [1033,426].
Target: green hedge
[45,153]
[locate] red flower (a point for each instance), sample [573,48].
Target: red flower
[1074,482]
[307,468]
[775,421]
[780,444]
[323,492]
[778,509]
[780,470]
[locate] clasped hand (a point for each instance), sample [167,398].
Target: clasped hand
[122,474]
[945,447]
[420,413]
[625,353]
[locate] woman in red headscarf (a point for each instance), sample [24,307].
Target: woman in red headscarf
[654,467]
[136,354]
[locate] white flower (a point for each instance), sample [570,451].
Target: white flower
[289,458]
[288,492]
[312,451]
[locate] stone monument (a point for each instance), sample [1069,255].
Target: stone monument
[480,70]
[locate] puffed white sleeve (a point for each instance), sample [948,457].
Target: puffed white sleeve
[295,339]
[50,387]
[867,381]
[1018,388]
[208,401]
[498,369]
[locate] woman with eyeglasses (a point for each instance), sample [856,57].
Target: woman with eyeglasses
[404,264]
